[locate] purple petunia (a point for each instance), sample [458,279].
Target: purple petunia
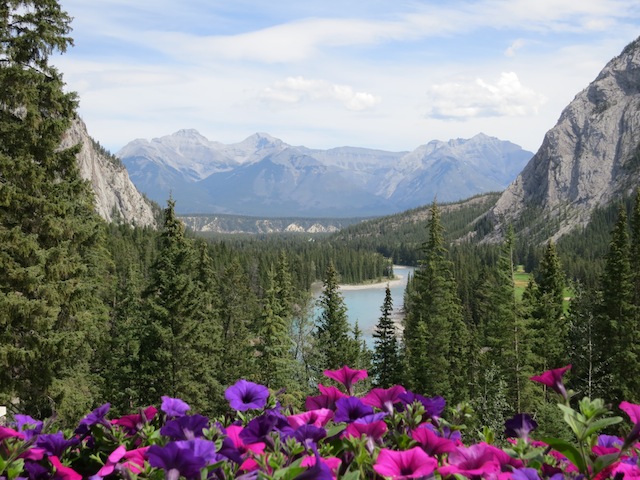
[349,409]
[519,426]
[174,407]
[54,443]
[187,427]
[96,417]
[245,395]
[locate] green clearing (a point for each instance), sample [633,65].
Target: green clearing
[521,280]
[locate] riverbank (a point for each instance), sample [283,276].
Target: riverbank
[399,279]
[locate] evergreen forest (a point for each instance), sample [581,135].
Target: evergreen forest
[92,312]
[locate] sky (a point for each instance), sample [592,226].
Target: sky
[384,74]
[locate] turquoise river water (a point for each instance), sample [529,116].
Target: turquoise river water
[364,302]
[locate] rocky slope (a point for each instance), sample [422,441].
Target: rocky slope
[115,194]
[263,176]
[589,158]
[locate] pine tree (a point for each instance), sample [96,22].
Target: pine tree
[617,335]
[174,348]
[238,309]
[435,334]
[503,330]
[548,320]
[386,369]
[51,315]
[332,331]
[275,347]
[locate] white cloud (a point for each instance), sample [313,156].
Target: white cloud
[478,98]
[294,90]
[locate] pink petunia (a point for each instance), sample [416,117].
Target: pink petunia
[6,432]
[332,462]
[347,377]
[473,461]
[384,399]
[62,472]
[133,423]
[374,430]
[249,464]
[318,418]
[431,442]
[553,379]
[412,463]
[326,399]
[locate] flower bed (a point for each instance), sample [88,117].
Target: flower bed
[386,433]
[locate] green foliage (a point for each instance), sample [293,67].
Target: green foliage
[435,334]
[335,347]
[387,367]
[51,261]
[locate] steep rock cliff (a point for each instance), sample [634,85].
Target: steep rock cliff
[590,157]
[115,194]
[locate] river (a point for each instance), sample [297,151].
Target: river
[364,302]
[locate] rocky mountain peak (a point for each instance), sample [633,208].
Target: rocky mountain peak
[589,158]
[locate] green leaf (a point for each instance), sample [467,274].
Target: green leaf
[351,476]
[335,430]
[569,451]
[288,472]
[604,461]
[600,424]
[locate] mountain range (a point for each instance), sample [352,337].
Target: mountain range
[263,176]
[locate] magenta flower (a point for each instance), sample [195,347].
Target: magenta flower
[633,411]
[347,377]
[553,379]
[62,472]
[245,395]
[374,430]
[412,463]
[384,399]
[174,407]
[474,461]
[6,432]
[431,442]
[326,399]
[133,423]
[318,418]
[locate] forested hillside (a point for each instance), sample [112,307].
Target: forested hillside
[94,312]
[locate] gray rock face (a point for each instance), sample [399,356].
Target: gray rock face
[589,158]
[114,191]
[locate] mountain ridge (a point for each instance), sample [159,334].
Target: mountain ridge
[264,176]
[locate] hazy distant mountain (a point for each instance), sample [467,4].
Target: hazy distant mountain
[590,158]
[263,176]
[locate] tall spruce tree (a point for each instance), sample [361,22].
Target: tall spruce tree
[239,310]
[617,332]
[387,369]
[275,344]
[174,353]
[334,343]
[50,257]
[549,322]
[435,334]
